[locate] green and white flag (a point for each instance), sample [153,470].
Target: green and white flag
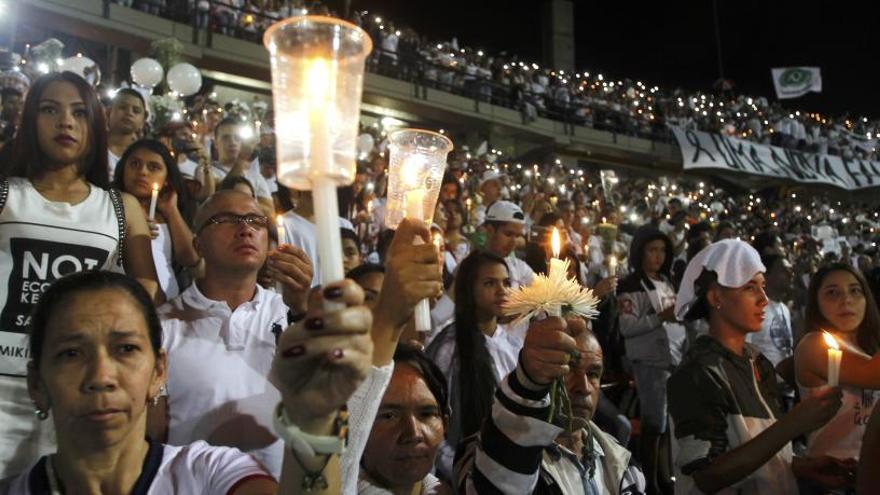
[792,82]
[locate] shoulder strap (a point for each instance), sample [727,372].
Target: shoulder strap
[4,192]
[119,209]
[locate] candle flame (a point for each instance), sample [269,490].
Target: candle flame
[318,78]
[155,186]
[830,341]
[279,220]
[555,242]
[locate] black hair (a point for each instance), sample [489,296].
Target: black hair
[172,171]
[230,181]
[7,92]
[476,375]
[364,269]
[868,333]
[431,374]
[349,234]
[770,259]
[700,307]
[383,242]
[227,121]
[130,92]
[28,159]
[723,226]
[88,281]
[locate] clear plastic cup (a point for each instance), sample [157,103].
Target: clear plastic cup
[317,80]
[416,164]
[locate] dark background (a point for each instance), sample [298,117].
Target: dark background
[672,44]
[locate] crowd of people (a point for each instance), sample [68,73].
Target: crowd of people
[588,97]
[171,341]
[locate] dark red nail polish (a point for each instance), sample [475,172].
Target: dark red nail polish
[295,351]
[314,324]
[333,292]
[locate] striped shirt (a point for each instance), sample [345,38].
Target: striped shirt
[516,451]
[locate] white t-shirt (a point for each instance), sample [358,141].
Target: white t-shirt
[774,340]
[229,402]
[195,468]
[163,254]
[521,274]
[304,234]
[40,241]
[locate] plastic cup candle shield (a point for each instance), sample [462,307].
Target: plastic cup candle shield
[317,80]
[834,356]
[416,165]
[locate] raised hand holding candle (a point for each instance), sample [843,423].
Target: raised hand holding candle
[154,196]
[834,356]
[317,80]
[416,164]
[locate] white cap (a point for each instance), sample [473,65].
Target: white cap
[505,211]
[734,261]
[490,175]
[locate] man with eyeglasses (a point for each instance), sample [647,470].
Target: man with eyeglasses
[220,333]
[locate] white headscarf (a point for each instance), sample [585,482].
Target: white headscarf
[734,261]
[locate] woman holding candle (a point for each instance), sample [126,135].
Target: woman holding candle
[97,363]
[474,352]
[56,216]
[723,398]
[839,302]
[147,169]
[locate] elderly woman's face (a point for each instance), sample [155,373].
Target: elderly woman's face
[98,369]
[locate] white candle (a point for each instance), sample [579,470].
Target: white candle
[557,266]
[281,234]
[612,266]
[153,197]
[415,204]
[834,356]
[279,229]
[321,161]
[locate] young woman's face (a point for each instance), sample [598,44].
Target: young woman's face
[489,291]
[62,124]
[842,301]
[143,169]
[742,307]
[98,369]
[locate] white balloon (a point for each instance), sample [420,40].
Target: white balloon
[365,143]
[184,79]
[83,67]
[147,72]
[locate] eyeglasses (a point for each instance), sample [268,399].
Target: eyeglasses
[255,222]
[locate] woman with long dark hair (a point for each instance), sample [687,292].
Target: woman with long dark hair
[143,164]
[57,216]
[840,302]
[474,352]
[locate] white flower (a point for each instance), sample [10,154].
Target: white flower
[553,294]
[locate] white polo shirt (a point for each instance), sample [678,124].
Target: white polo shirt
[218,364]
[218,390]
[521,274]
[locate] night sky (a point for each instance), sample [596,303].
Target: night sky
[672,44]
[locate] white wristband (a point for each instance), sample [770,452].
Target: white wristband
[302,442]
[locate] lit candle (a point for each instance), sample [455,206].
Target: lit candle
[319,80]
[281,234]
[153,198]
[467,203]
[414,207]
[834,356]
[557,266]
[612,266]
[279,229]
